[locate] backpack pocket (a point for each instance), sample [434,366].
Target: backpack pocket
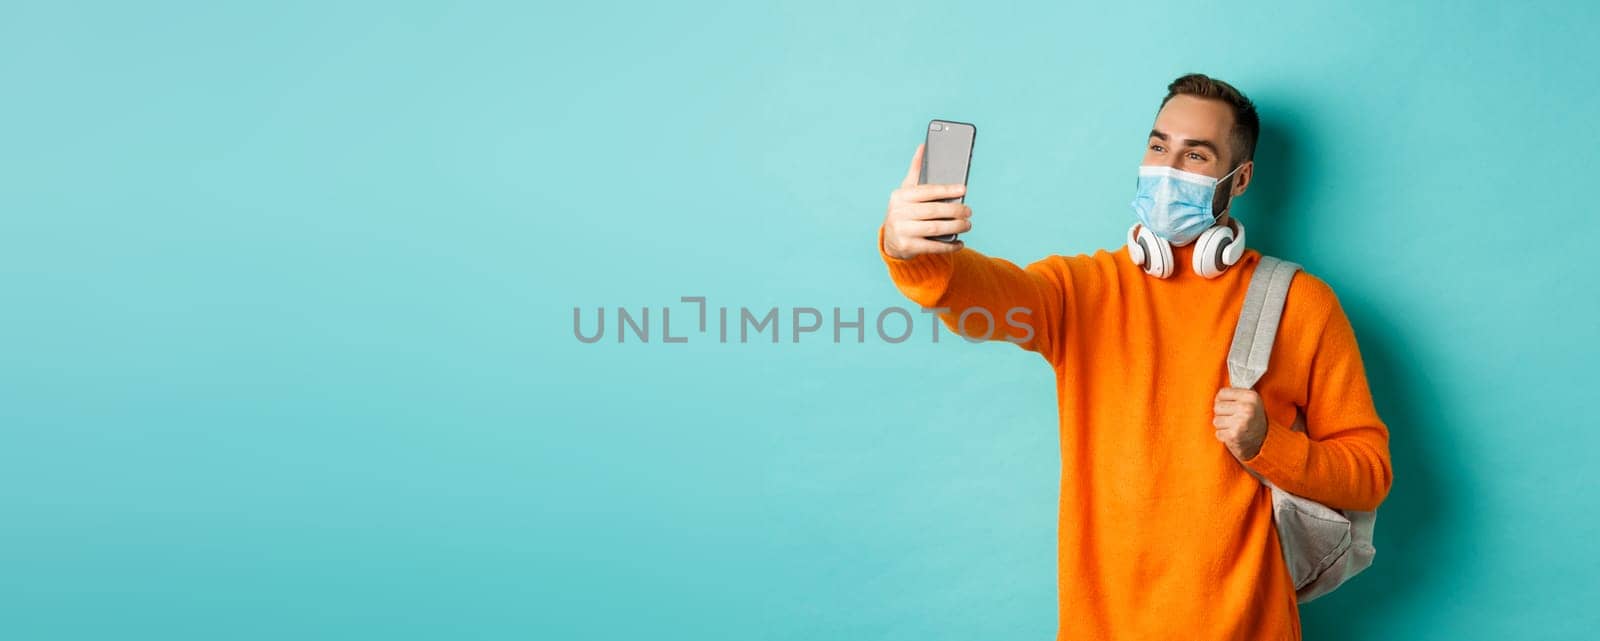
[1314,536]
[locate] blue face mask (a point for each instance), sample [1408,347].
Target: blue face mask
[1175,205]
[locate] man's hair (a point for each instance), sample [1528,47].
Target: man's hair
[1246,124]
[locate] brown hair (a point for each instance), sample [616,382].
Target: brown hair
[1246,123]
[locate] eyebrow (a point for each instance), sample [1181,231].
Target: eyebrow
[1188,142]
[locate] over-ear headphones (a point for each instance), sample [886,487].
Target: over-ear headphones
[1217,249]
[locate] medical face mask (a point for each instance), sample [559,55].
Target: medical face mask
[1175,205]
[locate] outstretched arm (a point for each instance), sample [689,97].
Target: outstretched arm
[979,297]
[986,298]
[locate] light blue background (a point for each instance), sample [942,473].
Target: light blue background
[288,297]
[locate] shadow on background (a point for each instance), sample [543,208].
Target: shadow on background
[1408,534]
[1272,192]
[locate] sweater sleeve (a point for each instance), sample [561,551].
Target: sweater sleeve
[1341,460]
[985,298]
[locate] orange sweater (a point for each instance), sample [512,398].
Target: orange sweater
[1162,533]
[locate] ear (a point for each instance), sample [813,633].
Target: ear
[1241,179]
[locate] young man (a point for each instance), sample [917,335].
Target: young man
[1163,533]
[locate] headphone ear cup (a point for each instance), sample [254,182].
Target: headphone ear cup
[1136,250]
[1207,258]
[1159,253]
[1218,249]
[1235,249]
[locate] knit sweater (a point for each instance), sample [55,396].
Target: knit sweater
[1162,533]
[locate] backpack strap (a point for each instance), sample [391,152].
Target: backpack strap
[1258,321]
[1258,325]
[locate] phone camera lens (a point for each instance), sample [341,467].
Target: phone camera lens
[936,127]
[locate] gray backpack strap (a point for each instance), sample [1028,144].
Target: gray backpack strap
[1258,321]
[1258,325]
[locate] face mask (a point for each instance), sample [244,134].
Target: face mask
[1175,205]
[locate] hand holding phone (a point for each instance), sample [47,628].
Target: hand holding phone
[949,158]
[918,211]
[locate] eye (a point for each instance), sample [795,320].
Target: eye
[1157,148]
[1197,157]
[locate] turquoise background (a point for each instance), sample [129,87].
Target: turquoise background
[289,290]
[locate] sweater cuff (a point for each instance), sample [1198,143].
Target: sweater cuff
[923,276]
[1282,455]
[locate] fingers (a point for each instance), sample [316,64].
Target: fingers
[925,228]
[916,246]
[1232,408]
[1236,412]
[1233,400]
[931,211]
[907,212]
[915,173]
[1236,394]
[1230,441]
[915,193]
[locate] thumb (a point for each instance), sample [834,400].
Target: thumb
[914,175]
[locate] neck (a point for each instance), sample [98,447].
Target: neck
[1182,256]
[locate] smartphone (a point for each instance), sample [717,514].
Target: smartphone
[947,158]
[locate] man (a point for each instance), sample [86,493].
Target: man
[1163,533]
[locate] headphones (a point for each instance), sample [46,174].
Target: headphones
[1217,249]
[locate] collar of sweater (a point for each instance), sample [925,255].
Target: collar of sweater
[1183,269]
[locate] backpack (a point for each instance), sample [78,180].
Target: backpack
[1324,547]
